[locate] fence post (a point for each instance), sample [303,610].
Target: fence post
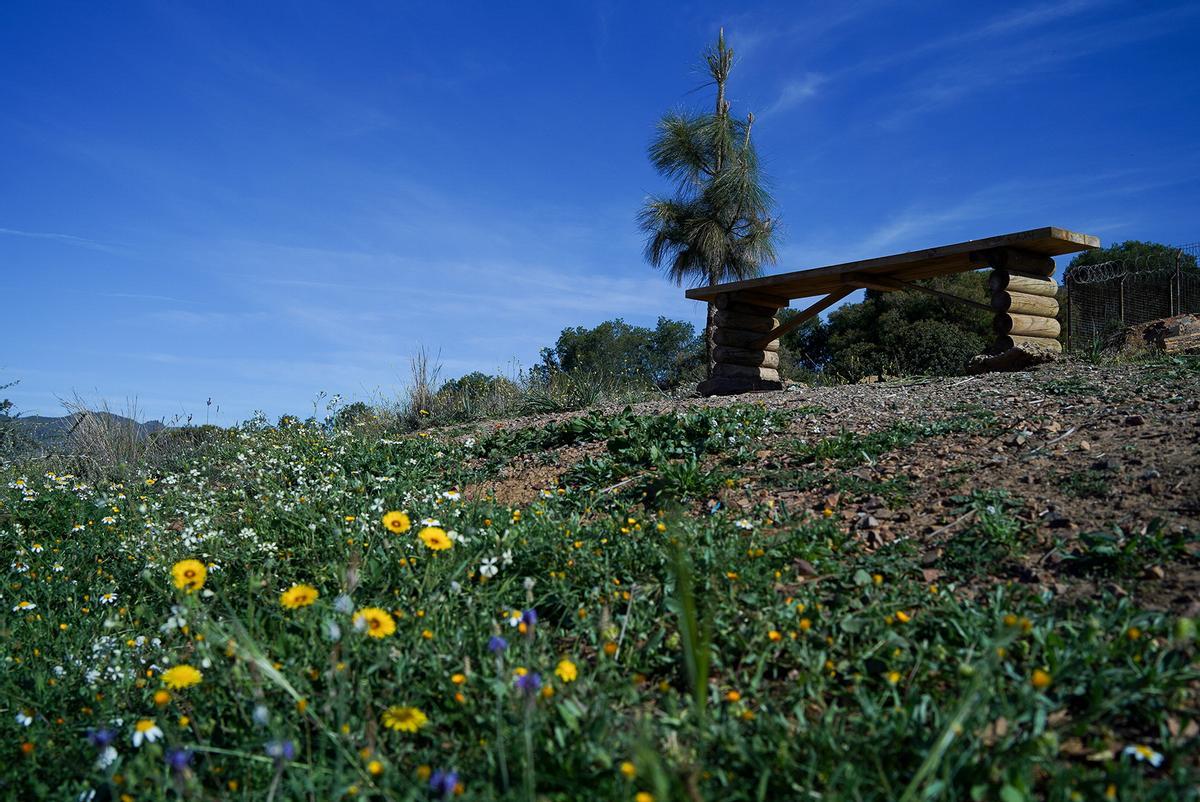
[1070,295]
[1177,285]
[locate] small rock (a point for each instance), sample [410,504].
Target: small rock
[1154,572]
[1134,420]
[866,522]
[1150,473]
[1084,445]
[1056,520]
[1107,464]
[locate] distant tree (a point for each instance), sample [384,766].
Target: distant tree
[352,414]
[717,227]
[907,332]
[662,355]
[803,350]
[1136,252]
[476,385]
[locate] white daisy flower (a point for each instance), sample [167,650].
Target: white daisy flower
[452,495]
[24,606]
[25,717]
[146,731]
[37,548]
[108,598]
[743,523]
[1143,753]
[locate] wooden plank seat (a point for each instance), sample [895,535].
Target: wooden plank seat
[1024,298]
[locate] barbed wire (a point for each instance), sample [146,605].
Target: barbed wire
[1147,266]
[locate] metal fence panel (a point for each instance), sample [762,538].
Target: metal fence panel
[1102,300]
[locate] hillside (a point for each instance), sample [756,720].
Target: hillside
[53,432]
[968,588]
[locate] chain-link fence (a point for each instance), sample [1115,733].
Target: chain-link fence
[1103,299]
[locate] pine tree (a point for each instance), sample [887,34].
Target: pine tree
[718,226]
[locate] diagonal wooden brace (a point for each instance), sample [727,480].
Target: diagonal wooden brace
[889,284]
[799,320]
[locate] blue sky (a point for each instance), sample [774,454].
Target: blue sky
[255,202]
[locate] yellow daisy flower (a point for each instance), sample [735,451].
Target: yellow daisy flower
[189,575]
[397,522]
[435,538]
[298,596]
[377,622]
[404,719]
[181,676]
[566,671]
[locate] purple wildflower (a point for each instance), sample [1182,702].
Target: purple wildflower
[529,683]
[101,738]
[281,750]
[179,760]
[442,783]
[497,644]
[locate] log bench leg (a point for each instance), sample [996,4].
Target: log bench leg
[1026,310]
[740,363]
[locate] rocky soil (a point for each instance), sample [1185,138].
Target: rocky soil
[1095,457]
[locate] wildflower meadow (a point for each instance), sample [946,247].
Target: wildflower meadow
[308,611]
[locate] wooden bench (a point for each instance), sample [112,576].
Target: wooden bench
[1024,299]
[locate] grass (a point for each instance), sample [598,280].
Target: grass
[706,663]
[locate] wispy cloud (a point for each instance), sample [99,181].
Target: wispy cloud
[69,239]
[955,70]
[796,92]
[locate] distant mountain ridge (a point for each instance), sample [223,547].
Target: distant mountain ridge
[49,432]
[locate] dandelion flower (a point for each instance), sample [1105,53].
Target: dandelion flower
[397,522]
[435,538]
[628,770]
[180,677]
[298,596]
[404,719]
[189,575]
[377,622]
[566,671]
[1040,679]
[147,731]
